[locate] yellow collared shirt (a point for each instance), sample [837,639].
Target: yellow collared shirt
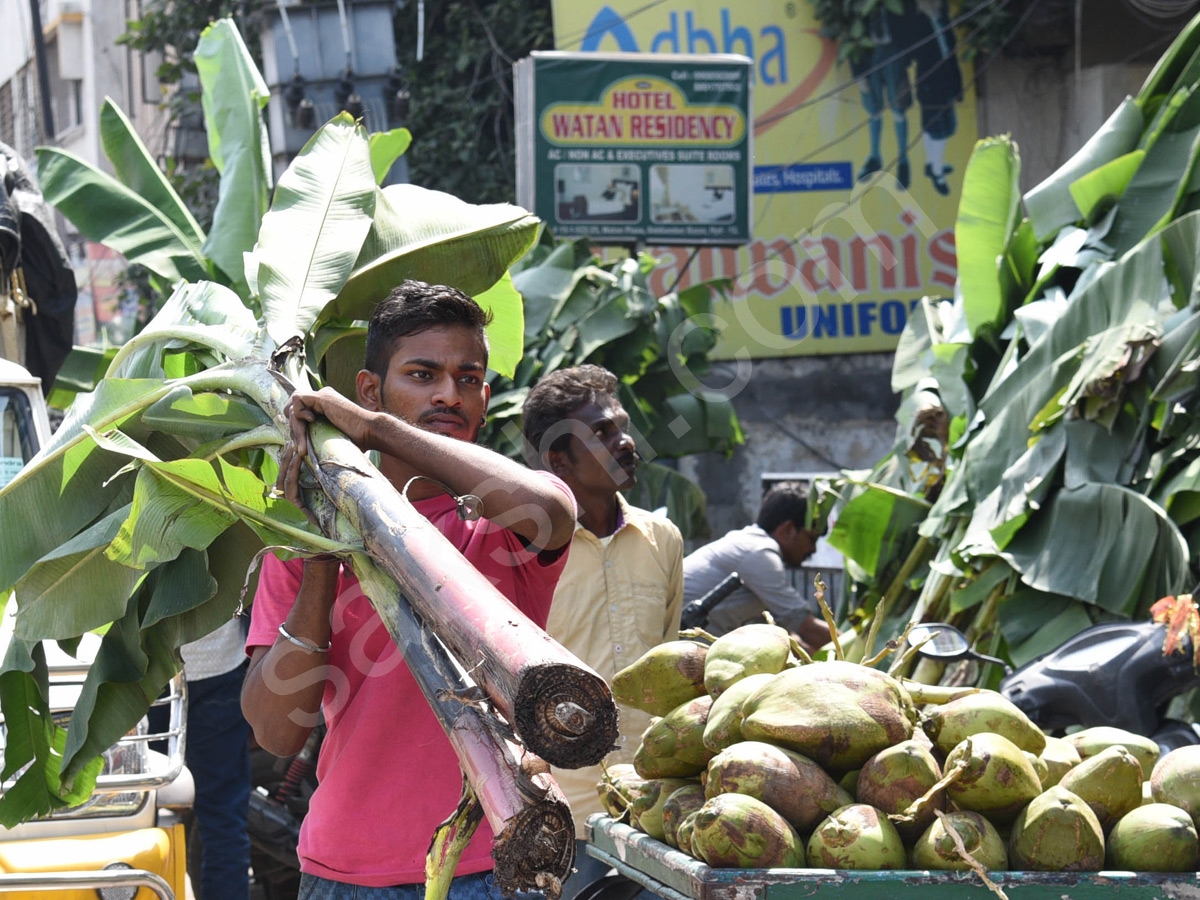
[616,599]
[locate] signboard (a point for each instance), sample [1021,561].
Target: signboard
[634,148]
[857,166]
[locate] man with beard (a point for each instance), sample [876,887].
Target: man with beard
[621,592]
[387,774]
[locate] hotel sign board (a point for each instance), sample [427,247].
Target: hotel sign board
[629,148]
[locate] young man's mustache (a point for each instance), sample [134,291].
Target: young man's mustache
[441,413]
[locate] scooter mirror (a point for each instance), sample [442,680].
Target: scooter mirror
[939,641]
[947,643]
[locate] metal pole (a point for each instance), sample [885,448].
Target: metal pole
[43,70]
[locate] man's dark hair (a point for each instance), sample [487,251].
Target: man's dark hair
[785,502]
[414,307]
[558,395]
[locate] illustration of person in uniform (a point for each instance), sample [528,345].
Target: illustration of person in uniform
[919,39]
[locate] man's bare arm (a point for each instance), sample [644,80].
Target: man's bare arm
[281,696]
[513,496]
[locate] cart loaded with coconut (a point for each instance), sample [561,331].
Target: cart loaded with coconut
[769,774]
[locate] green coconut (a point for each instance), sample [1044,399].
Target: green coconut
[1153,838]
[1056,832]
[683,835]
[1109,782]
[791,784]
[987,711]
[673,746]
[682,803]
[857,836]
[724,726]
[756,649]
[935,848]
[617,788]
[838,714]
[736,831]
[849,782]
[893,778]
[1091,741]
[1039,766]
[664,677]
[646,812]
[1176,780]
[998,780]
[1059,757]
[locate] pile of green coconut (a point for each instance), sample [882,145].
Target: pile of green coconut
[763,758]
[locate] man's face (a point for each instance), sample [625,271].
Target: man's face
[796,544]
[600,456]
[435,380]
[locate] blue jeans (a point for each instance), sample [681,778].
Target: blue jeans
[464,887]
[218,755]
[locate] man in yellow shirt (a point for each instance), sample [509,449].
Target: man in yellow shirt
[621,591]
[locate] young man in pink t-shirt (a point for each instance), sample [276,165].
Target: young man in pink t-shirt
[387,774]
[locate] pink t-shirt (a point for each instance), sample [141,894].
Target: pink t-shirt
[387,773]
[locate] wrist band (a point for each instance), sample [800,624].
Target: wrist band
[300,642]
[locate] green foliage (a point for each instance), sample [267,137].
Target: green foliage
[580,308]
[461,107]
[1047,451]
[153,496]
[170,30]
[462,102]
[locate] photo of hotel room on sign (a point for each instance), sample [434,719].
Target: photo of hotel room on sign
[598,193]
[702,194]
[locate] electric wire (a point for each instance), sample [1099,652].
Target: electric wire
[1162,9]
[979,72]
[996,10]
[838,209]
[887,61]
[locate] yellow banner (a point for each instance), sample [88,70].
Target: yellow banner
[857,166]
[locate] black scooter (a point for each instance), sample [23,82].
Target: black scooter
[1114,674]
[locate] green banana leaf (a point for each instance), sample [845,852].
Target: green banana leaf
[134,663]
[1059,437]
[233,95]
[70,466]
[1100,564]
[1158,185]
[311,237]
[1050,204]
[34,740]
[76,588]
[506,331]
[1164,78]
[1035,623]
[136,169]
[1105,185]
[873,522]
[546,286]
[108,212]
[204,315]
[987,218]
[386,148]
[80,372]
[154,480]
[418,233]
[1133,290]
